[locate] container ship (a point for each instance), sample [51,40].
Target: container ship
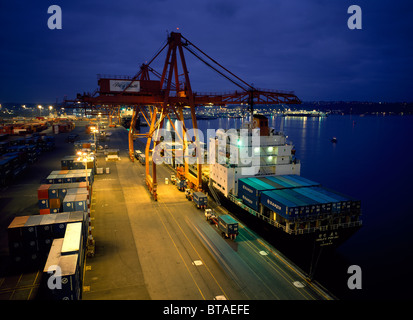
[297,213]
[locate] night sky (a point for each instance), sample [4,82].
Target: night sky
[297,45]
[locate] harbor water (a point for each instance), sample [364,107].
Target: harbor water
[371,161]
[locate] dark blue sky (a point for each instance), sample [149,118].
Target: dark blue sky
[297,45]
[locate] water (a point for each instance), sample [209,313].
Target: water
[371,161]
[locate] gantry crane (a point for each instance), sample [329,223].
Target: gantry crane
[168,95]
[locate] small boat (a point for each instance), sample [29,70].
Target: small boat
[334,140]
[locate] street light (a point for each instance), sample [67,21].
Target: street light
[94,130]
[40,109]
[85,157]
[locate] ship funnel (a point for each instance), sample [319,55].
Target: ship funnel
[261,122]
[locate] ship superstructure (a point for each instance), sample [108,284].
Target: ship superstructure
[241,158]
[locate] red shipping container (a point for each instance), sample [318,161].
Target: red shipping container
[44,211]
[43,192]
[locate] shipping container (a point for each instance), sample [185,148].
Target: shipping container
[14,229]
[29,231]
[200,199]
[43,191]
[274,184]
[59,226]
[81,202]
[252,187]
[280,180]
[250,200]
[70,278]
[313,203]
[53,191]
[69,272]
[228,226]
[15,234]
[305,182]
[54,256]
[280,205]
[54,203]
[72,243]
[43,204]
[302,205]
[44,211]
[327,202]
[69,203]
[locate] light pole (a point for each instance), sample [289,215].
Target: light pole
[85,157]
[94,130]
[40,110]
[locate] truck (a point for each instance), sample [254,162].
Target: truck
[188,194]
[142,158]
[227,225]
[181,184]
[210,215]
[112,154]
[200,199]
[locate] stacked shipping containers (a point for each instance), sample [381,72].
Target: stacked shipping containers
[68,254]
[52,197]
[295,198]
[70,176]
[71,163]
[250,189]
[84,144]
[17,154]
[30,237]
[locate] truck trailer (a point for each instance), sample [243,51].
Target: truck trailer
[200,200]
[227,225]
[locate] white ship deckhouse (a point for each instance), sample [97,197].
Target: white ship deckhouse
[255,150]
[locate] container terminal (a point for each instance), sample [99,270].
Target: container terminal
[127,236]
[163,250]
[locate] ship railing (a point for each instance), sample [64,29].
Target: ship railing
[325,228]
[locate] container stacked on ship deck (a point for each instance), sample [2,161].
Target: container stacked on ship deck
[298,205]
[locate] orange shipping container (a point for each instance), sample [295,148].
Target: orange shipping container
[44,211]
[54,203]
